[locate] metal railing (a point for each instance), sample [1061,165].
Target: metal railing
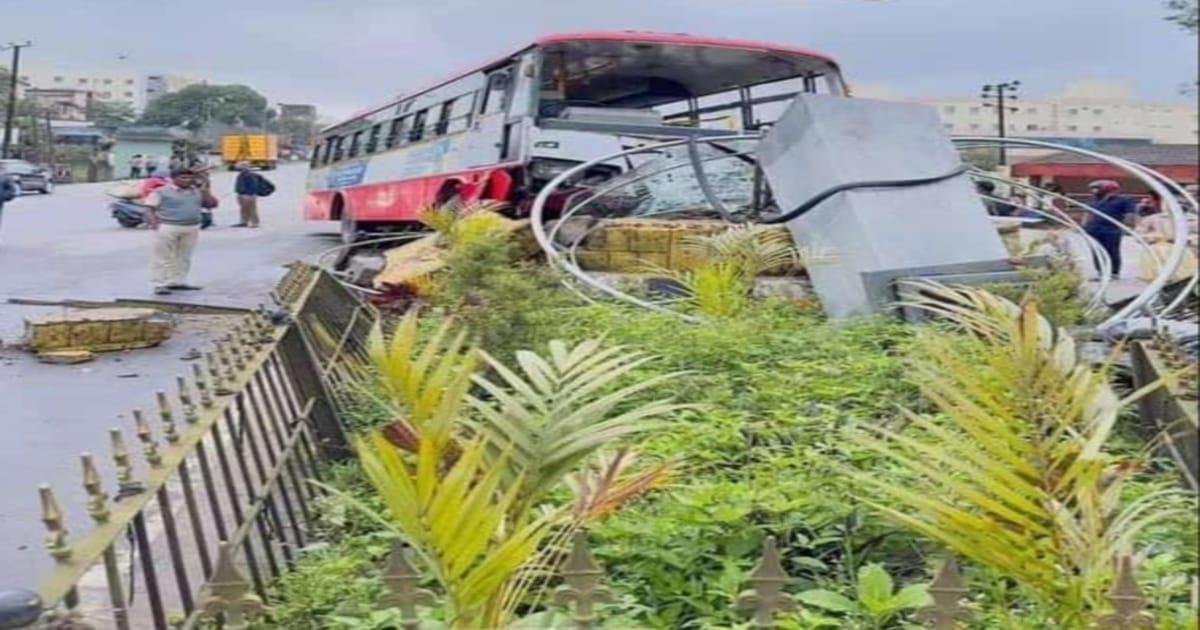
[581,595]
[222,485]
[1177,204]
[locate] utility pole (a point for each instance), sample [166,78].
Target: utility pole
[11,112]
[1001,92]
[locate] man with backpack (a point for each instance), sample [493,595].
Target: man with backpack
[249,186]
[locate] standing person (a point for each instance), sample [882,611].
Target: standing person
[136,162]
[1159,232]
[8,190]
[151,164]
[175,212]
[249,186]
[1109,202]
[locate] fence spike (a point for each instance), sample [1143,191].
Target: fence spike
[186,401]
[236,349]
[214,369]
[404,591]
[582,588]
[1127,600]
[126,484]
[227,593]
[146,437]
[225,354]
[201,386]
[947,591]
[97,502]
[766,597]
[167,418]
[52,518]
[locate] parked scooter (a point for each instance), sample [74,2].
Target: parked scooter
[131,214]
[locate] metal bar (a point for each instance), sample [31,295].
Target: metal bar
[210,491]
[295,442]
[239,517]
[285,409]
[157,612]
[177,561]
[197,523]
[247,430]
[90,548]
[259,391]
[301,364]
[116,589]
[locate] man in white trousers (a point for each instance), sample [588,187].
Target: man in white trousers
[175,213]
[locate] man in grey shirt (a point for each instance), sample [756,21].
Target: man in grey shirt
[175,213]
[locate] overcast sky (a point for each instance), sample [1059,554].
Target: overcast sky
[344,55]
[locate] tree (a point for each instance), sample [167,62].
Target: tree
[196,105]
[110,114]
[1186,14]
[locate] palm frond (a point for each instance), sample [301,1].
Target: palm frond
[428,384]
[557,411]
[754,249]
[455,521]
[1012,472]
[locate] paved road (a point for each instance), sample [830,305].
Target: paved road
[66,246]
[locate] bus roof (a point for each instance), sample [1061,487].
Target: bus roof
[648,37]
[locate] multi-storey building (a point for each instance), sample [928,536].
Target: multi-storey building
[135,89]
[1084,111]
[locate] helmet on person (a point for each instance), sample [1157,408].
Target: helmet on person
[985,187]
[1104,186]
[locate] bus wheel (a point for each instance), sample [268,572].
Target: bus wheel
[349,229]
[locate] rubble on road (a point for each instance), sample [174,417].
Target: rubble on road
[66,357]
[97,330]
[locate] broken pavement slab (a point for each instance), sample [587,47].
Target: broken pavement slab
[426,255]
[66,357]
[98,330]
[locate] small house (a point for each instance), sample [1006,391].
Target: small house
[155,144]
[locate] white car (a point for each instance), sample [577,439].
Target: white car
[28,177]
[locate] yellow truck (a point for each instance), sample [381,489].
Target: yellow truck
[259,149]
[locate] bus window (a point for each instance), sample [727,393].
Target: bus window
[460,114]
[495,95]
[337,148]
[315,159]
[443,122]
[398,131]
[418,128]
[327,151]
[373,139]
[355,144]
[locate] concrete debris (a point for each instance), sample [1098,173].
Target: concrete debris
[66,357]
[98,330]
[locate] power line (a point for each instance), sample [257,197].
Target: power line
[1001,92]
[11,113]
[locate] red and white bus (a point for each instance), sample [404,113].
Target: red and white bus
[502,130]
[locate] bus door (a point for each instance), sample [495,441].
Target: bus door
[487,139]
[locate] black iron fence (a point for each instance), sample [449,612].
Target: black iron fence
[218,502]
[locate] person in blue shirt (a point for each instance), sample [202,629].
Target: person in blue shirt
[1108,200]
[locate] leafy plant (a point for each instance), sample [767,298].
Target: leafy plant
[468,480]
[721,286]
[753,249]
[496,297]
[877,603]
[462,225]
[1012,473]
[557,413]
[1058,286]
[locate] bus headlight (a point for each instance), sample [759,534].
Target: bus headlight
[549,169]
